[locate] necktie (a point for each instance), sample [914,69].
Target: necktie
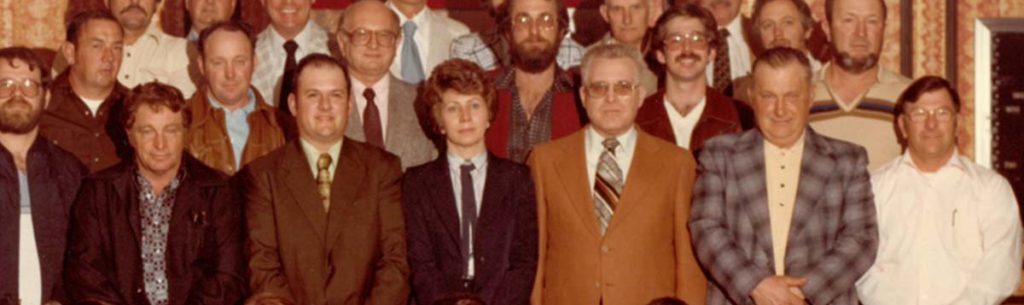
[468,213]
[412,68]
[286,78]
[723,71]
[371,120]
[608,184]
[323,179]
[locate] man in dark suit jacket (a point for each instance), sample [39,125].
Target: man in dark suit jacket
[470,216]
[160,229]
[323,211]
[782,215]
[687,112]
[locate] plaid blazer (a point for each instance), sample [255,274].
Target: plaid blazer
[833,236]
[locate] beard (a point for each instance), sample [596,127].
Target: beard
[19,122]
[856,65]
[534,59]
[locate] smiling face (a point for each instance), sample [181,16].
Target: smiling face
[687,60]
[288,17]
[612,114]
[781,101]
[320,104]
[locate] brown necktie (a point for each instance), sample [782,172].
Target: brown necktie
[323,179]
[608,185]
[723,71]
[371,120]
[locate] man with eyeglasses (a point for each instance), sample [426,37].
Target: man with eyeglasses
[536,99]
[687,111]
[950,229]
[612,200]
[39,180]
[384,115]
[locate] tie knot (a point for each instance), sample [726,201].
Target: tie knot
[409,28]
[467,167]
[290,46]
[323,162]
[610,144]
[723,33]
[369,94]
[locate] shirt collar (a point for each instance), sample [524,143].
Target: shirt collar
[193,36]
[418,19]
[247,109]
[313,155]
[304,38]
[798,146]
[358,86]
[479,161]
[735,26]
[153,32]
[954,162]
[626,140]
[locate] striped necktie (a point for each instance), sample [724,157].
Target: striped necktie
[607,185]
[323,179]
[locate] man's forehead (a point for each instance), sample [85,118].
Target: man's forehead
[13,68]
[519,6]
[624,2]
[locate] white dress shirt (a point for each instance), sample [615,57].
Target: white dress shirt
[271,55]
[313,155]
[435,32]
[156,56]
[683,126]
[30,280]
[948,237]
[479,174]
[380,91]
[739,52]
[593,148]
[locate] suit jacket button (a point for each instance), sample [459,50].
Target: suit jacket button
[481,259]
[597,284]
[605,249]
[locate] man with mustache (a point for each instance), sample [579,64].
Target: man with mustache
[687,111]
[40,180]
[149,53]
[853,95]
[779,23]
[85,102]
[536,100]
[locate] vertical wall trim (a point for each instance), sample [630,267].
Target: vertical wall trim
[951,42]
[907,37]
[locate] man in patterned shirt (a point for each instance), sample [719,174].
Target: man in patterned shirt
[162,229]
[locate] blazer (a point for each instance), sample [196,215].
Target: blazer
[443,30]
[208,138]
[204,244]
[720,116]
[53,178]
[646,251]
[504,242]
[405,136]
[833,235]
[354,254]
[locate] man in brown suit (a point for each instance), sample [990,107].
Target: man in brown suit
[612,200]
[323,231]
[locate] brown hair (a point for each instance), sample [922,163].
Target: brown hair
[227,26]
[780,57]
[801,7]
[921,86]
[27,56]
[154,95]
[318,60]
[464,77]
[504,17]
[686,11]
[79,21]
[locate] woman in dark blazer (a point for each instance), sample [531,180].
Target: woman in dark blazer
[470,216]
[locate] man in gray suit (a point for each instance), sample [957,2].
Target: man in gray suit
[384,116]
[781,214]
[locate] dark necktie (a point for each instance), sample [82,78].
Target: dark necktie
[468,213]
[371,120]
[286,78]
[723,71]
[607,185]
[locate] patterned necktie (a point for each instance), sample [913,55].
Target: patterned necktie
[468,213]
[607,185]
[412,68]
[371,120]
[723,71]
[286,78]
[323,179]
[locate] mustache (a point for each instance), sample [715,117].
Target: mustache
[15,100]
[687,55]
[133,6]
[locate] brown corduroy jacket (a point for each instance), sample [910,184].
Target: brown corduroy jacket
[208,137]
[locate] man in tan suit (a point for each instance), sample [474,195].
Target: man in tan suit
[612,200]
[323,211]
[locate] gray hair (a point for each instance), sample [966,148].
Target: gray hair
[611,51]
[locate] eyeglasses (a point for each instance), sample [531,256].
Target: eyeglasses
[29,88]
[675,41]
[523,21]
[620,88]
[943,114]
[361,37]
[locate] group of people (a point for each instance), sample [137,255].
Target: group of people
[692,156]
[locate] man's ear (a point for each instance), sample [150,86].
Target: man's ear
[67,49]
[604,12]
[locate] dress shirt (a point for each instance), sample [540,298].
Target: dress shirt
[237,122]
[422,38]
[93,105]
[479,174]
[683,126]
[472,47]
[193,36]
[782,177]
[271,55]
[313,155]
[380,89]
[30,280]
[739,51]
[156,56]
[155,221]
[623,153]
[948,237]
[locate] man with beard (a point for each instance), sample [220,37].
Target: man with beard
[536,100]
[384,114]
[86,98]
[40,180]
[149,53]
[853,95]
[687,111]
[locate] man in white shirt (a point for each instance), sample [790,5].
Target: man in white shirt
[426,39]
[734,59]
[950,229]
[289,22]
[149,53]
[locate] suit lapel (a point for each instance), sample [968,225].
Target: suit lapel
[354,128]
[815,169]
[444,199]
[643,172]
[752,185]
[349,178]
[575,181]
[129,193]
[396,114]
[299,181]
[491,206]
